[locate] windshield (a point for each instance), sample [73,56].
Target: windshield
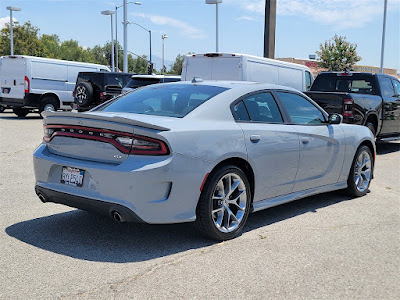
[172,100]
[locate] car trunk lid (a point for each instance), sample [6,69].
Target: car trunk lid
[93,137]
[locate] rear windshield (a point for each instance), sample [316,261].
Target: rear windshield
[172,100]
[346,84]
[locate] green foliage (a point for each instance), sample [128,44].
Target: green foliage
[27,41]
[338,54]
[176,67]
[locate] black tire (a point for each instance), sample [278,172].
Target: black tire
[83,94]
[205,221]
[371,127]
[48,103]
[20,112]
[352,186]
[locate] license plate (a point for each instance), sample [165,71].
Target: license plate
[72,176]
[6,90]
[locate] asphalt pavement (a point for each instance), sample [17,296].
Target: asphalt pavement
[328,246]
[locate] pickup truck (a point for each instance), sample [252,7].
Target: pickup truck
[372,100]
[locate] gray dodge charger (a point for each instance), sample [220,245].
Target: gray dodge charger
[208,152]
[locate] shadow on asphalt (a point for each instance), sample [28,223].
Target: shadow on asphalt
[9,115]
[386,148]
[92,237]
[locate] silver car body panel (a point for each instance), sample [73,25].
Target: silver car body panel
[166,189]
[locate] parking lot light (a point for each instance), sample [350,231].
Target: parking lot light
[11,9]
[110,13]
[163,37]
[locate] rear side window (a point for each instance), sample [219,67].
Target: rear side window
[172,100]
[135,83]
[114,80]
[94,78]
[387,87]
[300,110]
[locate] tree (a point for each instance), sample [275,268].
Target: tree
[338,54]
[26,40]
[176,67]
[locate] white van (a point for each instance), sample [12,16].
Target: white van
[232,66]
[28,83]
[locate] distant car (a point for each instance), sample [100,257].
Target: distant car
[94,88]
[143,80]
[29,83]
[372,100]
[235,66]
[208,152]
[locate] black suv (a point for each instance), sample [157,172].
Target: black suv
[93,88]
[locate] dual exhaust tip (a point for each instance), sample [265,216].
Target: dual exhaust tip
[115,215]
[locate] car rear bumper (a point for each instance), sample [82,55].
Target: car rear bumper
[154,190]
[95,205]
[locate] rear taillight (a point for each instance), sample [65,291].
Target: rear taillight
[103,96]
[124,142]
[348,108]
[26,85]
[73,94]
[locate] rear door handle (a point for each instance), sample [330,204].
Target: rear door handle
[305,140]
[255,138]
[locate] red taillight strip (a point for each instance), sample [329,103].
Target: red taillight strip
[94,138]
[90,129]
[163,151]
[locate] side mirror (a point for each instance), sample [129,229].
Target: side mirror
[335,119]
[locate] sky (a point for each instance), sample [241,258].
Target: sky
[301,25]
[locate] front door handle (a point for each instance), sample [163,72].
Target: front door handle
[255,138]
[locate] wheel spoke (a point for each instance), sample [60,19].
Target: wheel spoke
[219,209]
[233,187]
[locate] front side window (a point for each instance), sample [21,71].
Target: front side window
[172,100]
[300,110]
[308,81]
[396,87]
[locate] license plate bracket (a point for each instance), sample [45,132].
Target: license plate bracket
[72,176]
[5,90]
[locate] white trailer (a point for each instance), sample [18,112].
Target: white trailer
[243,67]
[29,83]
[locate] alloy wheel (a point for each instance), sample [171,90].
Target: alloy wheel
[362,172]
[81,94]
[229,203]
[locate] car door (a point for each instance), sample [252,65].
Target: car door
[322,145]
[396,85]
[272,145]
[391,106]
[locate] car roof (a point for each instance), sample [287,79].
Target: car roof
[136,76]
[237,85]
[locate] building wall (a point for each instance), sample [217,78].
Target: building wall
[315,69]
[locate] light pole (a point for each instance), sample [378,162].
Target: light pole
[110,13]
[126,33]
[163,37]
[149,31]
[216,20]
[11,9]
[383,35]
